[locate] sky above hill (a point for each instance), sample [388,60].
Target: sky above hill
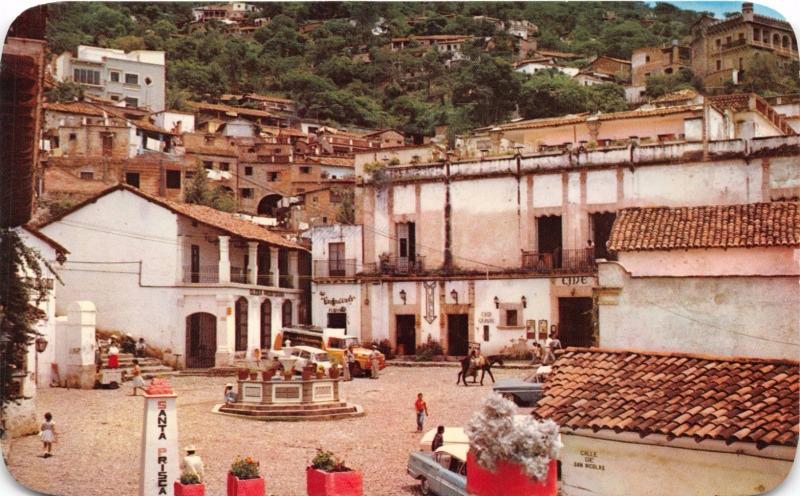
[720,8]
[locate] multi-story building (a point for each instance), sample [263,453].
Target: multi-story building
[137,78]
[230,11]
[201,283]
[652,61]
[437,264]
[723,49]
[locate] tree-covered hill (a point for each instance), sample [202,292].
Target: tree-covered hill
[411,91]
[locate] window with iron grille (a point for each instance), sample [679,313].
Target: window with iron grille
[87,76]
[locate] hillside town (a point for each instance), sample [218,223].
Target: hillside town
[590,288]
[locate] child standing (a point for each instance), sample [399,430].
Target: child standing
[48,435]
[422,411]
[138,380]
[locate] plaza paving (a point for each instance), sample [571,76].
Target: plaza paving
[98,451]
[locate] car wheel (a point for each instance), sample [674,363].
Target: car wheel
[424,488]
[357,372]
[510,397]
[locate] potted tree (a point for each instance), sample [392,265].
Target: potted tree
[509,456]
[329,476]
[244,479]
[189,485]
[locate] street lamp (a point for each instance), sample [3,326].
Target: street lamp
[454,295]
[41,345]
[496,302]
[403,295]
[524,302]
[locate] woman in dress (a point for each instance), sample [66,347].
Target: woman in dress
[48,435]
[375,362]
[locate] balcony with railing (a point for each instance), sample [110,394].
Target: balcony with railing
[396,266]
[344,267]
[579,261]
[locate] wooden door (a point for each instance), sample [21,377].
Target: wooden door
[201,340]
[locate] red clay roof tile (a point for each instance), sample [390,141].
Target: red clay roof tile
[692,399]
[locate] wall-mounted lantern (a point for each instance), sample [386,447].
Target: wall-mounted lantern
[524,302]
[454,295]
[496,302]
[403,295]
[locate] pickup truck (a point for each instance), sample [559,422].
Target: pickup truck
[443,472]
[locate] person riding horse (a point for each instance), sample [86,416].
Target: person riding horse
[474,362]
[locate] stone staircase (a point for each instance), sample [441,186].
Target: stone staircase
[293,412]
[151,367]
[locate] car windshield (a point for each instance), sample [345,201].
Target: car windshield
[321,357]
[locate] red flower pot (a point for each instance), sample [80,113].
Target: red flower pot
[267,374]
[244,374]
[307,374]
[253,376]
[189,489]
[245,487]
[319,483]
[333,372]
[509,480]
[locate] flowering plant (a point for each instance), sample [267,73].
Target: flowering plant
[245,468]
[327,461]
[496,435]
[188,478]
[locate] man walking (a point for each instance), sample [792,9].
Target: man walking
[422,411]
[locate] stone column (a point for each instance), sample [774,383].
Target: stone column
[80,342]
[252,257]
[293,269]
[273,265]
[224,259]
[225,323]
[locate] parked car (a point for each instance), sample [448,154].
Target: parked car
[308,354]
[526,391]
[334,341]
[452,435]
[443,472]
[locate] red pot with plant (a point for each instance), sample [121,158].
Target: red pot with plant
[308,372]
[333,372]
[530,469]
[189,485]
[267,374]
[253,375]
[244,478]
[244,374]
[329,476]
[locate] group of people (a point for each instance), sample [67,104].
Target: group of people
[547,354]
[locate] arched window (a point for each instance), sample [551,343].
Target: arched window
[286,320]
[776,40]
[241,324]
[786,42]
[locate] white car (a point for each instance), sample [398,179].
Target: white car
[308,354]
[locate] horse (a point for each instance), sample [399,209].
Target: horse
[470,367]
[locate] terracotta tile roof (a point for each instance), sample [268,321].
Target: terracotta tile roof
[334,161]
[230,110]
[73,108]
[223,221]
[716,226]
[676,395]
[737,102]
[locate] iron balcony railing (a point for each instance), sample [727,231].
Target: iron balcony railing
[579,261]
[239,275]
[343,267]
[201,274]
[396,266]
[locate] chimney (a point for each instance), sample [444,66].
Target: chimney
[747,11]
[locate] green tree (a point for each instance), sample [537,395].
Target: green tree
[65,91]
[22,287]
[346,213]
[199,191]
[765,75]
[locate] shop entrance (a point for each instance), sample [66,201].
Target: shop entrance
[575,322]
[406,334]
[457,334]
[338,320]
[201,340]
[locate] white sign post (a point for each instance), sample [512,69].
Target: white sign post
[160,466]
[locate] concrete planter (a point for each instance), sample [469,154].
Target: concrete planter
[320,483]
[245,487]
[508,479]
[189,489]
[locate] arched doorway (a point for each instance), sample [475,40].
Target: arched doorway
[286,320]
[201,340]
[270,205]
[241,324]
[266,324]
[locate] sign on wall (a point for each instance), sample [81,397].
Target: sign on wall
[429,302]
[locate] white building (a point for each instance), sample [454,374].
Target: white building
[494,250]
[720,280]
[694,424]
[532,66]
[335,291]
[35,372]
[137,78]
[175,121]
[191,280]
